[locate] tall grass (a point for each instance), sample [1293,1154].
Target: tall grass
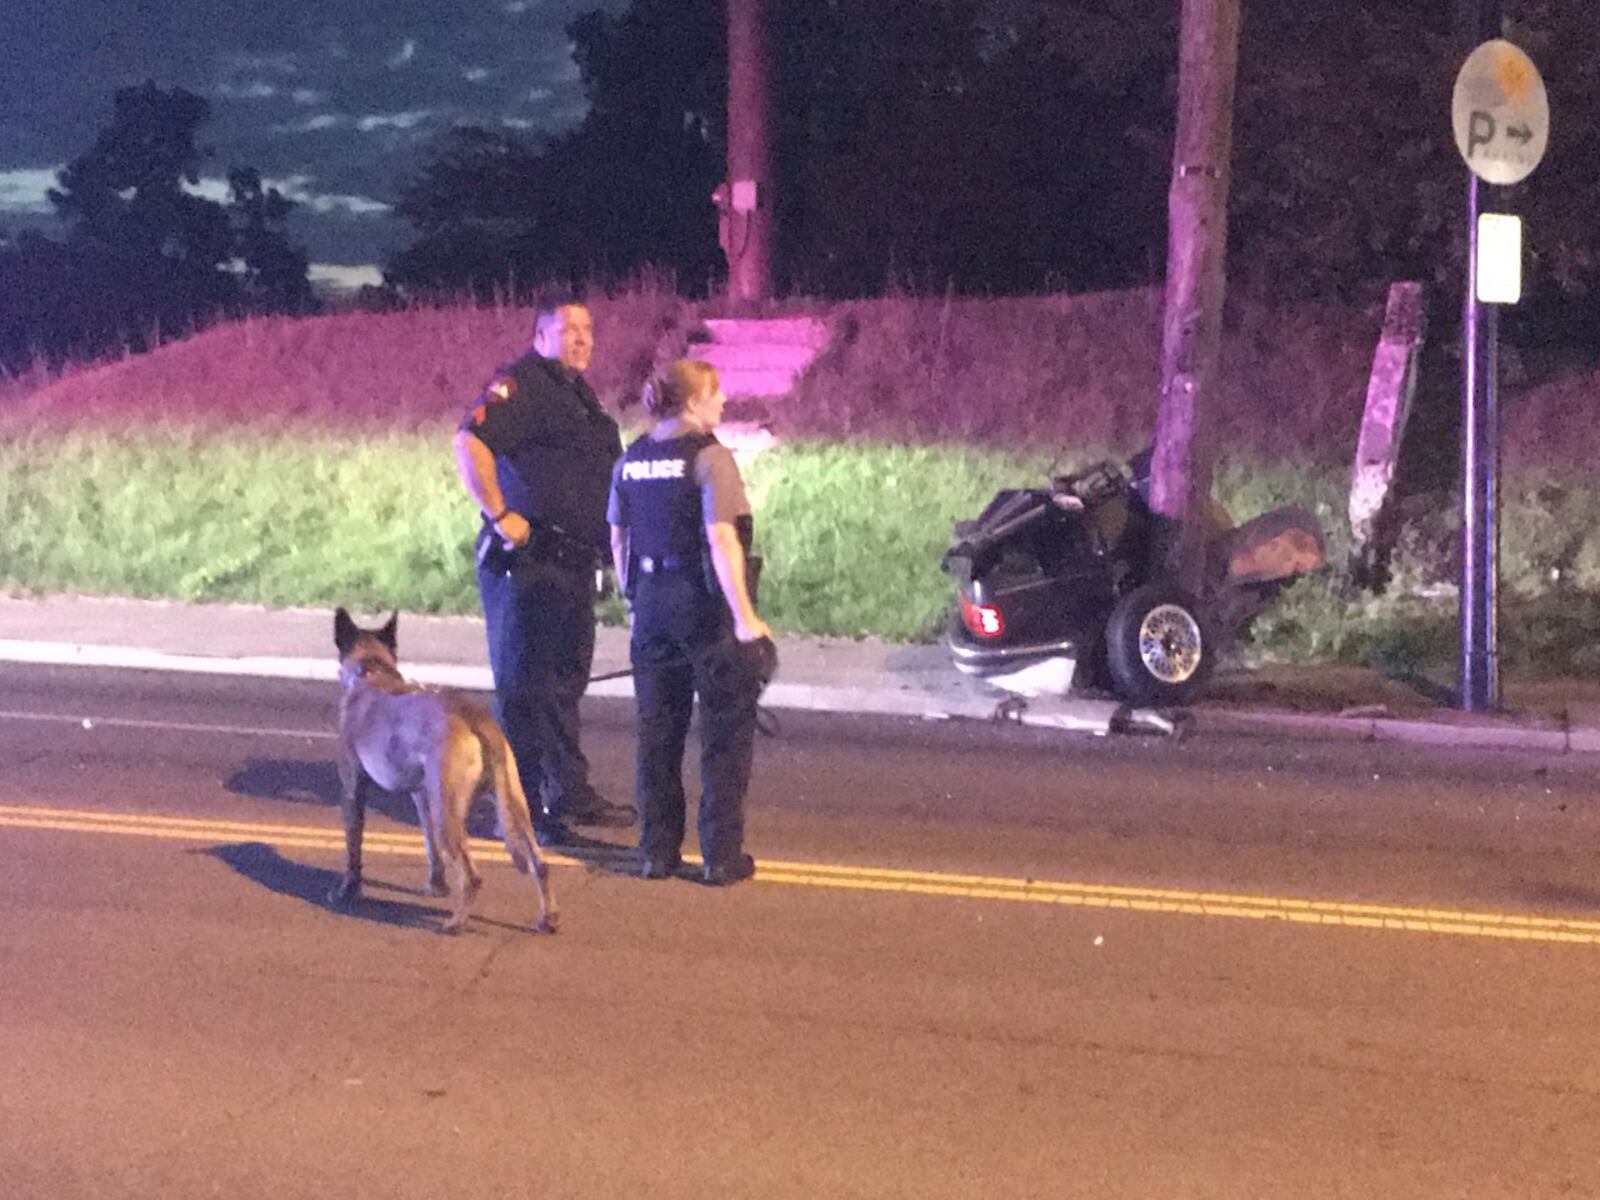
[306,461]
[852,535]
[1062,371]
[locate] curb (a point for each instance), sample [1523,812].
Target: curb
[896,701]
[1098,717]
[1392,729]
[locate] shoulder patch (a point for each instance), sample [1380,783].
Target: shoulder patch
[502,387]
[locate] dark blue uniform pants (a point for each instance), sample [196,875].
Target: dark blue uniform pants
[540,624]
[683,646]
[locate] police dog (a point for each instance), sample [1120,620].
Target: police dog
[444,750]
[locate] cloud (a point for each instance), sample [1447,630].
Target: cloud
[322,120]
[284,65]
[342,92]
[299,189]
[316,124]
[399,120]
[211,187]
[356,206]
[254,90]
[26,189]
[339,277]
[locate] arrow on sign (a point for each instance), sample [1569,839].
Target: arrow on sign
[1520,133]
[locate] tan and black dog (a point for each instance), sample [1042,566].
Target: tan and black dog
[442,749]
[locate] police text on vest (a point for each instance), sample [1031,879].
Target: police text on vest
[660,468]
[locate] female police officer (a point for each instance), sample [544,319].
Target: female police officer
[680,539]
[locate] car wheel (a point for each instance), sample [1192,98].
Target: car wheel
[1158,646]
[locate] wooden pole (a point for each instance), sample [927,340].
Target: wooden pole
[746,197]
[1191,342]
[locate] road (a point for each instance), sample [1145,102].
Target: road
[979,961]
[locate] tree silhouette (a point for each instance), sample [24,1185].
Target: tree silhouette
[630,186]
[272,273]
[476,207]
[145,257]
[1018,145]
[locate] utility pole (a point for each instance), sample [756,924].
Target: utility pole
[1197,238]
[744,201]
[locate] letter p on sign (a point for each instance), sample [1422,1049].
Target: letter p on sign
[1480,131]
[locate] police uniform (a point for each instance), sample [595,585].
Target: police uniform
[664,492]
[554,448]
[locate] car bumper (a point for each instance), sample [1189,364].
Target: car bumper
[974,658]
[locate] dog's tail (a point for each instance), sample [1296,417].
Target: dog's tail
[516,821]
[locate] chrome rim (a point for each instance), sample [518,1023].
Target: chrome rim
[1170,645]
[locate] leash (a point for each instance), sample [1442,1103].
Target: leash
[767,722]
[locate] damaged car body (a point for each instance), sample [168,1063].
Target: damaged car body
[1054,588]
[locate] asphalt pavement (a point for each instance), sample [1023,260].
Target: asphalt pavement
[834,675]
[977,960]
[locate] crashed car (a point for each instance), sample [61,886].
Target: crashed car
[1054,588]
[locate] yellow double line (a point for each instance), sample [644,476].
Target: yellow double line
[1393,918]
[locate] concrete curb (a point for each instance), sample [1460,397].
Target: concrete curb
[1390,729]
[894,701]
[1081,715]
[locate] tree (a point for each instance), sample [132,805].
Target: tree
[1347,178]
[272,273]
[127,193]
[1017,145]
[477,210]
[145,257]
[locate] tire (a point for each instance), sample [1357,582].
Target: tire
[1159,647]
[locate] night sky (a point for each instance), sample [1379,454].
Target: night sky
[336,102]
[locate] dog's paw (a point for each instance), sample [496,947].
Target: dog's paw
[548,924]
[346,890]
[453,925]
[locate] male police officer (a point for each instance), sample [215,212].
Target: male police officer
[535,453]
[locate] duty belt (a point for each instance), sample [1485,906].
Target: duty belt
[652,566]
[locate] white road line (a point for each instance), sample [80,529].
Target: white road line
[90,722]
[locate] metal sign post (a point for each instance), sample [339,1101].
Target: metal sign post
[1501,117]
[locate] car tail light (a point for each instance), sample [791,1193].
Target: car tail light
[982,619]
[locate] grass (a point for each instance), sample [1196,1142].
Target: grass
[306,461]
[280,520]
[852,536]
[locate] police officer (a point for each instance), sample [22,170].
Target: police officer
[535,453]
[680,541]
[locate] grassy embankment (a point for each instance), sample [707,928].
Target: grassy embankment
[308,462]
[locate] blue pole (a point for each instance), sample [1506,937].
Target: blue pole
[1481,20]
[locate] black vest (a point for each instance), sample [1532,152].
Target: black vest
[657,484]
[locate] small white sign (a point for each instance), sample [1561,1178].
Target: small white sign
[1501,113]
[745,196]
[1499,258]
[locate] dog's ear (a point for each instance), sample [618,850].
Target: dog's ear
[386,635]
[345,632]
